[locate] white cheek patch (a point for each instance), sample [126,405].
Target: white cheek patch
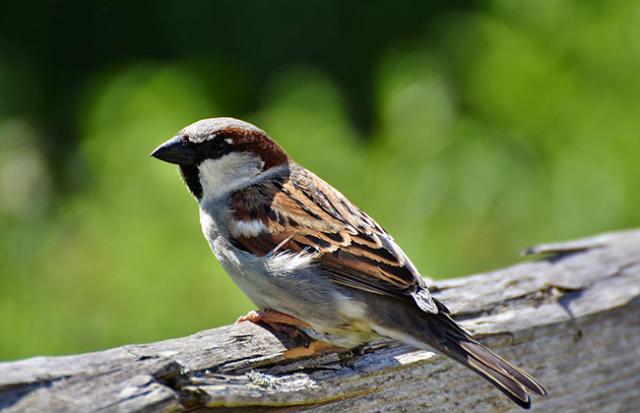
[219,176]
[247,228]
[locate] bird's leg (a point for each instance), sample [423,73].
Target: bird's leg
[270,317]
[283,323]
[292,327]
[273,318]
[315,347]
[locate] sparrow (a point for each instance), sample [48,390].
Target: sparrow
[309,258]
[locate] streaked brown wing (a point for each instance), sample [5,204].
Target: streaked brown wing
[303,212]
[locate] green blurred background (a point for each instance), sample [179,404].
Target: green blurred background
[469,129]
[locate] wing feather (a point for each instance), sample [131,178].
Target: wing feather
[302,212]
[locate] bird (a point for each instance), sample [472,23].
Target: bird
[311,260]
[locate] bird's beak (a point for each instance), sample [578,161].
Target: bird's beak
[175,151]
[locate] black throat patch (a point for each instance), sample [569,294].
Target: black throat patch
[189,174]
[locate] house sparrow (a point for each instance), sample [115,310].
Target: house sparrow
[309,258]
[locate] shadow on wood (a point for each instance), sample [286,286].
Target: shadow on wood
[571,318]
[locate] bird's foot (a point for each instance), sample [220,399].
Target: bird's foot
[293,328]
[270,316]
[314,348]
[283,323]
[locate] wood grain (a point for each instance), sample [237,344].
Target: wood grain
[570,316]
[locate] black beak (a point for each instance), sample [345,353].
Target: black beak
[175,151]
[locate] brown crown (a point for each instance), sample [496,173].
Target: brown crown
[242,136]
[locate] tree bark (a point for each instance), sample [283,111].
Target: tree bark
[570,317]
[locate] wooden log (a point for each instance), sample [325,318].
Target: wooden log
[570,316]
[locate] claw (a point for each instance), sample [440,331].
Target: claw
[252,316]
[271,317]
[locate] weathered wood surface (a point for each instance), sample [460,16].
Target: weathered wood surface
[572,319]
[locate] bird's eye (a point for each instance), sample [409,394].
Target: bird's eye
[214,148]
[219,144]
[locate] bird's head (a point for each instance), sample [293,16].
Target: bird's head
[215,155]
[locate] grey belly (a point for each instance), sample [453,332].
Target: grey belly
[302,294]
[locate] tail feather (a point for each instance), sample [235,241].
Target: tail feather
[494,361]
[440,332]
[514,385]
[449,338]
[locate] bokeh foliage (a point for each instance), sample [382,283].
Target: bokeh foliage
[485,129]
